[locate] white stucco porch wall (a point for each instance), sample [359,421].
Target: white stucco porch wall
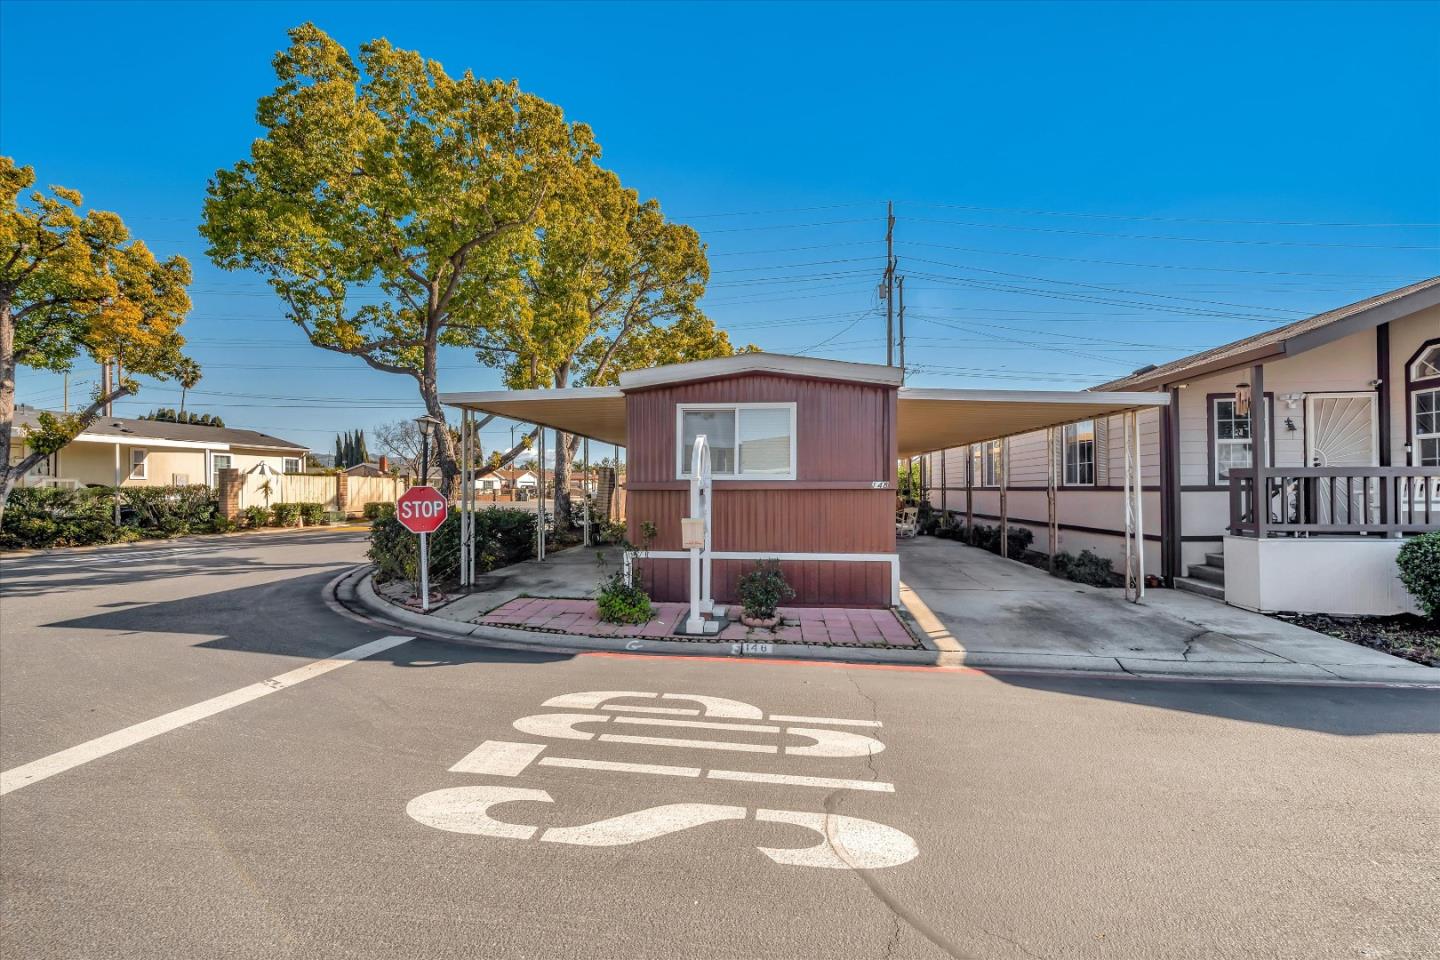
[1348,576]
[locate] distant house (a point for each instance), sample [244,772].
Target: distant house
[119,451]
[374,468]
[507,480]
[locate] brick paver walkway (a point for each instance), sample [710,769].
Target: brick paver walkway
[823,626]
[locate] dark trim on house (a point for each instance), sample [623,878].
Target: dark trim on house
[1386,391]
[647,485]
[1210,399]
[1171,556]
[1411,388]
[1087,488]
[1101,531]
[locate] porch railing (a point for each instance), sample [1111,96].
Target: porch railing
[1294,501]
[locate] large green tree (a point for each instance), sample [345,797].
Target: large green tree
[386,202]
[75,284]
[609,285]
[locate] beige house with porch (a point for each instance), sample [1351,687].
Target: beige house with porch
[1350,428]
[119,451]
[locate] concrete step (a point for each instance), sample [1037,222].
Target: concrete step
[1207,573]
[1215,560]
[1205,589]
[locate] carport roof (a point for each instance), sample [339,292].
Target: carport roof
[928,419]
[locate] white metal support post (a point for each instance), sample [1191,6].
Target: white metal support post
[1134,520]
[700,600]
[540,502]
[585,488]
[1134,439]
[424,573]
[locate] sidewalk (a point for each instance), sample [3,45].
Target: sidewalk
[968,608]
[991,612]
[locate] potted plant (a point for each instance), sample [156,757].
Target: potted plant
[761,591]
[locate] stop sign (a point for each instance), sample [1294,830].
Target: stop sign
[421,509]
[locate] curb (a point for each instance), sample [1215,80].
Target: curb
[357,583]
[484,635]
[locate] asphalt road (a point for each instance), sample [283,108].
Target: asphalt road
[318,815]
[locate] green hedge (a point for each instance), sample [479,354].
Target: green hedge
[52,517]
[502,537]
[39,517]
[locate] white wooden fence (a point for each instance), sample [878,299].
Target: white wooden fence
[265,491]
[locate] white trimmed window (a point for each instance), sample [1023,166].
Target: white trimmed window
[1426,427]
[1231,437]
[139,469]
[1078,451]
[987,464]
[290,465]
[747,441]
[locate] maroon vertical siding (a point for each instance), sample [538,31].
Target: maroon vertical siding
[845,440]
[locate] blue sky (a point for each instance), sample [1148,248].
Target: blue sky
[1216,169]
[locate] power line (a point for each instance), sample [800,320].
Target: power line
[1145,236]
[1159,219]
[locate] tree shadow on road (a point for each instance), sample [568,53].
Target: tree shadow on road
[1345,711]
[286,617]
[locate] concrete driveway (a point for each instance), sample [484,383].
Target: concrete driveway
[1000,613]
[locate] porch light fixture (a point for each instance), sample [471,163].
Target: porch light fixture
[1242,399]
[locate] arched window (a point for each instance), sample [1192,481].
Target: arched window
[1423,377]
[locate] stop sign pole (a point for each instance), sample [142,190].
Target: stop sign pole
[422,510]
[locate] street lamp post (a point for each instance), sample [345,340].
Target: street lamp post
[426,423]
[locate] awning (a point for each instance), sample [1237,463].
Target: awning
[942,419]
[928,419]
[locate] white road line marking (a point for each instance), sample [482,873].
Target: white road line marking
[697,744]
[656,768]
[590,699]
[700,724]
[846,843]
[34,772]
[876,786]
[720,706]
[558,726]
[833,743]
[783,718]
[643,825]
[673,711]
[501,758]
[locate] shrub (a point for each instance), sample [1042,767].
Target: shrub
[1086,568]
[502,537]
[169,511]
[222,524]
[313,514]
[285,514]
[378,509]
[49,517]
[763,589]
[1419,563]
[255,516]
[988,538]
[620,602]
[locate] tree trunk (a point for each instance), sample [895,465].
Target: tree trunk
[564,454]
[8,477]
[442,443]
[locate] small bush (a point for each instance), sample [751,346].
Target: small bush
[38,517]
[619,602]
[763,589]
[1086,568]
[1419,563]
[988,538]
[378,509]
[256,516]
[313,514]
[222,524]
[285,514]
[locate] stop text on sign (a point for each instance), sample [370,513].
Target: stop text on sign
[421,509]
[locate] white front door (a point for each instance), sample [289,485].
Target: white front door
[1343,430]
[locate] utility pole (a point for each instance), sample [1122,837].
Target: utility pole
[890,283]
[901,284]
